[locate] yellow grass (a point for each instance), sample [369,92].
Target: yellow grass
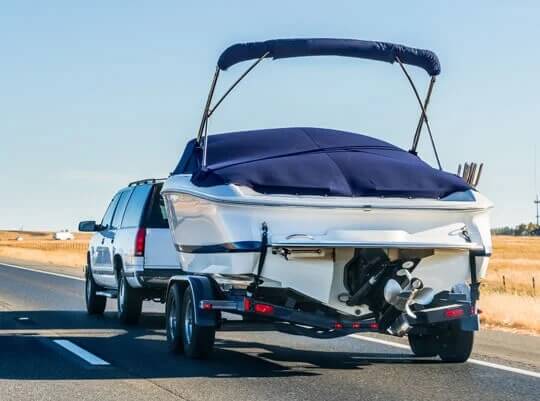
[511,311]
[40,247]
[518,260]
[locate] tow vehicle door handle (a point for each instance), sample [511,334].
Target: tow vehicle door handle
[102,241]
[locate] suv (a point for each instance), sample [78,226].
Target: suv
[131,255]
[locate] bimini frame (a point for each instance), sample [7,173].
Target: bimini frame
[202,136]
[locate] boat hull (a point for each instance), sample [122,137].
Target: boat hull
[222,236]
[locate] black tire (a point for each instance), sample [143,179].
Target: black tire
[95,304]
[173,314]
[455,345]
[198,341]
[129,301]
[424,345]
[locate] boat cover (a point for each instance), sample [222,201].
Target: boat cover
[315,161]
[286,48]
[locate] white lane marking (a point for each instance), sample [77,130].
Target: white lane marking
[81,353]
[471,360]
[43,272]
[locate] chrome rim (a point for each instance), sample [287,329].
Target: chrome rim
[121,294]
[172,319]
[188,321]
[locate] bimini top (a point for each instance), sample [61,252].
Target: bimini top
[315,161]
[284,48]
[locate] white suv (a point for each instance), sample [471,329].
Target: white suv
[131,256]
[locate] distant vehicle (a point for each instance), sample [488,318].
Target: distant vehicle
[64,235]
[131,255]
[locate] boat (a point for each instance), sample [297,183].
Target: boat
[332,221]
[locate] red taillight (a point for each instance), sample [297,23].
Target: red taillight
[453,313]
[206,305]
[338,326]
[374,326]
[356,325]
[264,309]
[140,240]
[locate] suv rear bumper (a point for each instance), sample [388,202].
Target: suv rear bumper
[154,277]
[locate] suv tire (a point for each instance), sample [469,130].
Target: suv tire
[95,304]
[129,301]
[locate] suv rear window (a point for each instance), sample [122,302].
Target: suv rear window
[135,207]
[156,216]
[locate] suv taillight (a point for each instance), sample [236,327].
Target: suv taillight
[140,239]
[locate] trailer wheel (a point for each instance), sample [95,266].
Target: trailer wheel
[129,301]
[198,341]
[95,304]
[173,316]
[423,345]
[455,345]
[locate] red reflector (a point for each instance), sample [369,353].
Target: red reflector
[453,313]
[140,240]
[264,309]
[374,326]
[338,325]
[356,325]
[247,304]
[206,306]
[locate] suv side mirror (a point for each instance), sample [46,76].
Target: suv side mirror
[89,226]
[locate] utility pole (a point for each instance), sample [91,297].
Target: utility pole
[537,202]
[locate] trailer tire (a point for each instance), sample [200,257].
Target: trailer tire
[423,345]
[95,304]
[198,341]
[129,301]
[173,316]
[455,345]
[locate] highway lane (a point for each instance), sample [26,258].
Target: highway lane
[36,309]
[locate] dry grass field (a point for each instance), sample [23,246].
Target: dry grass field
[511,302]
[41,247]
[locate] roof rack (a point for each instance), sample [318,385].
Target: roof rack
[146,181]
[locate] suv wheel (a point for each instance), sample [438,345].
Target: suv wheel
[95,304]
[129,301]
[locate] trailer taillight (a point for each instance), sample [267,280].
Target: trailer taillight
[264,309]
[454,313]
[140,240]
[338,326]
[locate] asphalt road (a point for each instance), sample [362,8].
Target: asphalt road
[37,310]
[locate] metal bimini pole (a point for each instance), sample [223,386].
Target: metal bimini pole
[203,128]
[423,117]
[237,82]
[207,106]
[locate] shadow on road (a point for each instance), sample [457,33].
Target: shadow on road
[27,351]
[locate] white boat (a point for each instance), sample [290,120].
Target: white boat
[350,222]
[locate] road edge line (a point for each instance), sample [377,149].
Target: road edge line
[471,360]
[42,271]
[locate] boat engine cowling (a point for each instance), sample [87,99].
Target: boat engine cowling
[386,285]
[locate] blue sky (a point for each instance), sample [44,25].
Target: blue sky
[95,94]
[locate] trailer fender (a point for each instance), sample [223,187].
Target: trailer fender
[201,288]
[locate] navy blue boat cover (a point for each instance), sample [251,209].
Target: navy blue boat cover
[284,48]
[315,161]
